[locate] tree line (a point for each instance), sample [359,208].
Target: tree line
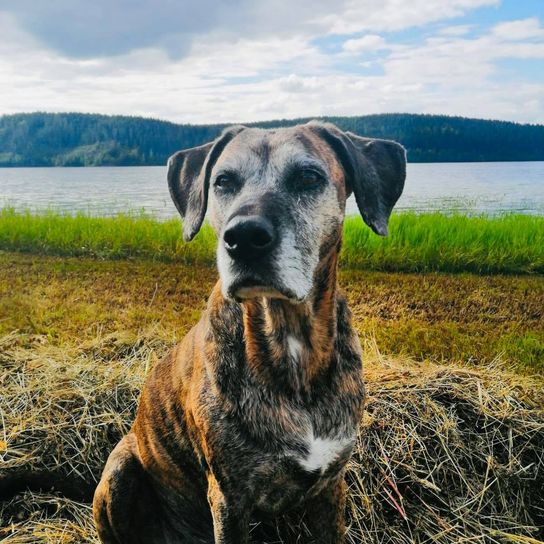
[80,139]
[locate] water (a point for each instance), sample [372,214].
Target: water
[488,188]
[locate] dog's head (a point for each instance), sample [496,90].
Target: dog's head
[276,199]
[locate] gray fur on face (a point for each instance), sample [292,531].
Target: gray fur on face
[265,165]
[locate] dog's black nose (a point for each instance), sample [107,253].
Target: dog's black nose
[249,237]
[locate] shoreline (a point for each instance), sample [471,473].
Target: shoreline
[426,242]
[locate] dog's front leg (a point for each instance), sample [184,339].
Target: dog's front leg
[230,516]
[325,514]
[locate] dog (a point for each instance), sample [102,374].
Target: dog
[255,413]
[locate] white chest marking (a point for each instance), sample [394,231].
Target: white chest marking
[294,346]
[323,451]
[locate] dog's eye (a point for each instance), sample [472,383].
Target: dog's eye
[309,178]
[226,182]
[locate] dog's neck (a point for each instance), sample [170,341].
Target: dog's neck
[293,341]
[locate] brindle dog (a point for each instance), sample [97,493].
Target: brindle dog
[256,411]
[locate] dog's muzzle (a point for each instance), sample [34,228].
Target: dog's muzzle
[249,238]
[250,242]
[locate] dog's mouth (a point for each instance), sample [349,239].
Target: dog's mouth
[250,287]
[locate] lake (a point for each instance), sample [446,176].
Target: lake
[489,188]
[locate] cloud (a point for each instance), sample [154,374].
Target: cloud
[454,61]
[271,59]
[455,30]
[519,30]
[297,84]
[395,15]
[83,29]
[370,42]
[101,28]
[78,28]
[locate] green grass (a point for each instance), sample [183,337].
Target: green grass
[449,243]
[123,236]
[416,243]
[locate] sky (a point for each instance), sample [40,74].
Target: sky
[247,60]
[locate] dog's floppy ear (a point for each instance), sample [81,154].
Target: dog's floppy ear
[189,179]
[375,171]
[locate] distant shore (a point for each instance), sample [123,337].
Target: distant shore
[82,139]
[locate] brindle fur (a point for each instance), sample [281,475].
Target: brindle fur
[220,430]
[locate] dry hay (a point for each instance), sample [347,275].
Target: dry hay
[447,454]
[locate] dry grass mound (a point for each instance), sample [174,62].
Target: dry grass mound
[446,454]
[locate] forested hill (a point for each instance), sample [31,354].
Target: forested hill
[77,139]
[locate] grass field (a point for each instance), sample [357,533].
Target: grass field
[451,439]
[461,318]
[417,242]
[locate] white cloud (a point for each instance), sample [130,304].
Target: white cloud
[519,30]
[226,77]
[297,84]
[455,30]
[102,28]
[393,15]
[370,42]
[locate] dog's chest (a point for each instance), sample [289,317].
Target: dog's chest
[320,453]
[303,469]
[306,462]
[312,437]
